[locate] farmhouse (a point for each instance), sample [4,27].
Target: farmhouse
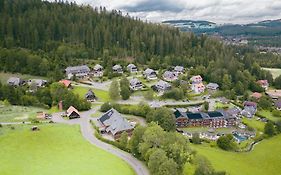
[162,86]
[170,76]
[132,68]
[274,94]
[212,86]
[77,71]
[37,82]
[117,69]
[98,71]
[113,123]
[15,81]
[135,84]
[263,83]
[90,96]
[256,95]
[72,113]
[150,74]
[179,69]
[214,119]
[66,83]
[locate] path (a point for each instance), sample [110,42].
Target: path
[88,133]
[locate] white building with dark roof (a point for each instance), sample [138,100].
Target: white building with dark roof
[135,84]
[170,76]
[117,69]
[132,68]
[162,86]
[150,74]
[179,69]
[98,71]
[212,86]
[77,71]
[15,81]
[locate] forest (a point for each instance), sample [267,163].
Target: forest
[43,38]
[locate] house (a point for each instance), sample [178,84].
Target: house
[90,96]
[250,104]
[15,81]
[170,76]
[274,94]
[135,84]
[179,69]
[98,70]
[113,123]
[77,71]
[196,79]
[72,113]
[224,100]
[256,95]
[212,86]
[132,68]
[66,83]
[278,105]
[214,119]
[150,74]
[235,112]
[263,83]
[162,86]
[250,109]
[37,82]
[198,88]
[117,69]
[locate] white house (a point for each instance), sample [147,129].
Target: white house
[170,76]
[132,68]
[77,71]
[198,88]
[98,71]
[117,69]
[212,86]
[196,79]
[150,74]
[135,84]
[179,69]
[162,86]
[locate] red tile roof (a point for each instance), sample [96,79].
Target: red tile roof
[66,83]
[256,95]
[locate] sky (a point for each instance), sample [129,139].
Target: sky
[219,11]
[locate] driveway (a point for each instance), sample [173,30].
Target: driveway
[88,133]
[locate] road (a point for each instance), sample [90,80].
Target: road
[88,133]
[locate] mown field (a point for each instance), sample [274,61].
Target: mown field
[274,71]
[264,159]
[101,94]
[55,149]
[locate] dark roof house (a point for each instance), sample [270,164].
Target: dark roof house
[72,113]
[15,81]
[78,71]
[90,96]
[212,86]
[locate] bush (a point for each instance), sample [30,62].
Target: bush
[105,107]
[226,142]
[176,94]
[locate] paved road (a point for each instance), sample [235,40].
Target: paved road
[88,133]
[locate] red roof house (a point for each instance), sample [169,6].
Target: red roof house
[66,83]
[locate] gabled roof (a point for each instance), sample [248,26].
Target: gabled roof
[134,81]
[212,86]
[38,82]
[196,78]
[131,66]
[90,93]
[249,103]
[179,68]
[262,82]
[169,74]
[256,95]
[97,67]
[149,71]
[16,81]
[163,84]
[70,110]
[76,69]
[66,83]
[117,66]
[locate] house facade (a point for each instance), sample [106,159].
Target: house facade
[77,71]
[90,96]
[135,84]
[197,84]
[117,69]
[112,122]
[98,71]
[179,69]
[212,86]
[162,86]
[150,74]
[170,76]
[132,68]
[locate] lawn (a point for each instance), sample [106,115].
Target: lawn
[55,149]
[264,159]
[5,76]
[274,71]
[259,125]
[268,115]
[102,95]
[18,113]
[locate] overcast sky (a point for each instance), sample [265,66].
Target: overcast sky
[219,11]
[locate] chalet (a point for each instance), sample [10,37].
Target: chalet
[66,83]
[113,123]
[117,69]
[135,84]
[150,74]
[256,95]
[250,109]
[72,113]
[170,76]
[278,105]
[212,86]
[179,69]
[15,81]
[37,82]
[98,70]
[250,104]
[274,94]
[198,88]
[90,96]
[162,86]
[132,68]
[235,112]
[196,79]
[77,71]
[263,83]
[214,119]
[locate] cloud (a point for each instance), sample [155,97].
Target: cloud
[220,11]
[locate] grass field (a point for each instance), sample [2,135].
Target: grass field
[17,113]
[268,115]
[55,149]
[274,71]
[5,76]
[101,94]
[254,124]
[264,159]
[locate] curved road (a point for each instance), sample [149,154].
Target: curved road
[88,133]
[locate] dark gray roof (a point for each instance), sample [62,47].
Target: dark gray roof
[90,94]
[15,81]
[212,86]
[278,104]
[98,67]
[77,69]
[169,74]
[179,68]
[149,71]
[163,84]
[134,81]
[131,66]
[116,67]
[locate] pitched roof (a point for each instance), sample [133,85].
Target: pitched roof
[117,66]
[97,67]
[196,78]
[215,114]
[134,81]
[274,93]
[256,95]
[169,74]
[179,68]
[115,122]
[66,83]
[262,82]
[70,110]
[249,103]
[130,66]
[163,84]
[212,86]
[90,93]
[38,82]
[149,71]
[76,69]
[16,81]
